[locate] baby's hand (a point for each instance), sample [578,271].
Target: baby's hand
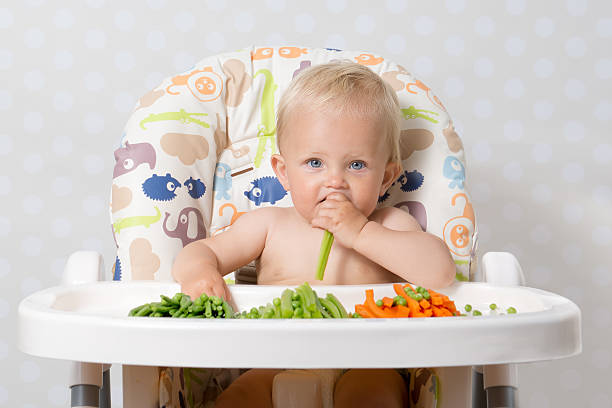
[212,284]
[340,217]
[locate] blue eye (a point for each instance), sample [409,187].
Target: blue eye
[314,163]
[357,165]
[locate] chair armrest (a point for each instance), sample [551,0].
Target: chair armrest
[502,268]
[83,267]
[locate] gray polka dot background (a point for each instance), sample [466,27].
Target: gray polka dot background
[528,84]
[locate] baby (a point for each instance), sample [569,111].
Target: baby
[338,136]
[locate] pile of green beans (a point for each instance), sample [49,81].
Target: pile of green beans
[181,306]
[301,303]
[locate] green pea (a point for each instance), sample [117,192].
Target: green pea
[492,306]
[477,313]
[379,303]
[276,301]
[418,297]
[468,308]
[357,315]
[295,304]
[511,310]
[400,300]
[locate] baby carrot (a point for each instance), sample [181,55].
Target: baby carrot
[326,244]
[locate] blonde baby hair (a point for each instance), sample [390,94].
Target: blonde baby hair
[345,88]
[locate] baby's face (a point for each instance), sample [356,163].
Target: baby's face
[327,153]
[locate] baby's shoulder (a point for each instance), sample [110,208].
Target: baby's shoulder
[395,219]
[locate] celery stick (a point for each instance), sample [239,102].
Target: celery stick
[326,243]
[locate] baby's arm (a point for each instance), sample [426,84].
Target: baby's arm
[393,239]
[200,266]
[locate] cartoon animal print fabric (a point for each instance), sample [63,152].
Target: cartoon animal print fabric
[195,156]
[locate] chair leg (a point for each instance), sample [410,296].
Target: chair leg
[85,384]
[105,391]
[501,384]
[479,398]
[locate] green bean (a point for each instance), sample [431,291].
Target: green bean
[326,244]
[217,301]
[227,309]
[208,309]
[136,310]
[145,311]
[167,301]
[331,308]
[298,312]
[337,303]
[286,304]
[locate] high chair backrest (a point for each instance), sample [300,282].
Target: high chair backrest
[195,156]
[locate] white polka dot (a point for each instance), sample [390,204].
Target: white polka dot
[3,350]
[538,399]
[156,40]
[277,38]
[575,47]
[424,25]
[276,6]
[543,68]
[6,59]
[95,39]
[512,171]
[483,67]
[63,101]
[336,6]
[454,6]
[423,66]
[33,204]
[604,27]
[573,213]
[93,164]
[454,87]
[573,172]
[572,254]
[63,60]
[61,227]
[601,276]
[94,81]
[544,27]
[514,88]
[304,23]
[124,102]
[603,68]
[513,130]
[454,45]
[481,192]
[576,7]
[34,38]
[62,145]
[93,123]
[33,163]
[5,268]
[93,205]
[33,122]
[540,234]
[396,44]
[124,20]
[62,186]
[64,19]
[30,285]
[184,21]
[571,379]
[124,61]
[602,235]
[575,89]
[29,371]
[483,108]
[574,131]
[6,145]
[184,61]
[58,395]
[541,193]
[543,110]
[515,7]
[602,153]
[244,22]
[4,308]
[34,80]
[541,152]
[396,6]
[153,79]
[6,100]
[364,24]
[6,18]
[484,26]
[603,111]
[31,245]
[602,195]
[512,211]
[216,5]
[599,400]
[481,151]
[515,46]
[215,41]
[6,185]
[336,41]
[5,226]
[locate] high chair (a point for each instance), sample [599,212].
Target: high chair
[194,158]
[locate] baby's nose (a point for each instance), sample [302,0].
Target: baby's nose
[335,179]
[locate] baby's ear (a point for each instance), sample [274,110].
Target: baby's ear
[280,169]
[392,172]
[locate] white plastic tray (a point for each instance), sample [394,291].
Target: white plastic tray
[89,323]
